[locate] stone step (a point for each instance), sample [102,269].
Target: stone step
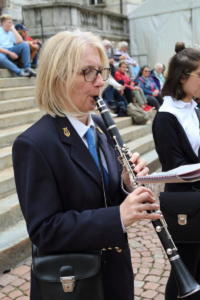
[5,157]
[14,245]
[131,133]
[17,92]
[10,212]
[16,82]
[7,183]
[122,122]
[4,73]
[142,144]
[16,104]
[152,160]
[8,135]
[145,141]
[19,117]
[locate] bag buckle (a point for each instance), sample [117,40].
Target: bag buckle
[182,219]
[68,283]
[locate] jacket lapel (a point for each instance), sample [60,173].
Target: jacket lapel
[77,149]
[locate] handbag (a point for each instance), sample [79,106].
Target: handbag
[181,211]
[71,276]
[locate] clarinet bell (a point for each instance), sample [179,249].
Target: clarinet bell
[186,283]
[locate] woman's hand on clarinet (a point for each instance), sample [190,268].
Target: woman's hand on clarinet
[140,169]
[136,205]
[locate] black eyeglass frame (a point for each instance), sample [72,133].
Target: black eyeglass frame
[98,71]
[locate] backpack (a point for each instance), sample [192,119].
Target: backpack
[139,116]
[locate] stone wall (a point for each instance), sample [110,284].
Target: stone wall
[44,20]
[14,7]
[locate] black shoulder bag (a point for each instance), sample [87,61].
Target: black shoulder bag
[71,276]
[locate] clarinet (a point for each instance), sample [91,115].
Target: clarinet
[185,282]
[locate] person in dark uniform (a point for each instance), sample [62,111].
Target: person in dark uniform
[177,140]
[58,181]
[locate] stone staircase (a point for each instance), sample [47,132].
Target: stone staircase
[18,112]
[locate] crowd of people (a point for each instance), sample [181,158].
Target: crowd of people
[133,89]
[18,51]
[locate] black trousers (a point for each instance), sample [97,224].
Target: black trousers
[155,101]
[190,255]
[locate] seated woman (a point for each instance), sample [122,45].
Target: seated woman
[157,75]
[131,90]
[150,89]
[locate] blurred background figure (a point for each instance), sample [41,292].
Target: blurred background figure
[34,45]
[12,47]
[158,76]
[122,53]
[149,87]
[131,90]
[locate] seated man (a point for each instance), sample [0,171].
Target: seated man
[12,47]
[34,44]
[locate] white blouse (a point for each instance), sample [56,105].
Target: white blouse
[187,117]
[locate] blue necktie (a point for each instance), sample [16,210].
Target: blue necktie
[90,137]
[91,141]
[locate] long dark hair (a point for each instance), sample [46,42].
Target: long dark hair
[181,65]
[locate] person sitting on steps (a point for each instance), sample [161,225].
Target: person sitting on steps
[13,47]
[34,44]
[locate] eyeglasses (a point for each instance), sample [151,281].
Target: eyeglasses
[90,74]
[194,74]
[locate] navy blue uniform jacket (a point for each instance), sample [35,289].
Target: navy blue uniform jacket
[60,193]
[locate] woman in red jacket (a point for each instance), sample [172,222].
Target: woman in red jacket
[131,90]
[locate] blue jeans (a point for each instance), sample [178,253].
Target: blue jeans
[23,51]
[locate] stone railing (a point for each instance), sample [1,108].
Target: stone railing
[44,20]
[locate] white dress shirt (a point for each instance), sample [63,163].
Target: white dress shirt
[187,117]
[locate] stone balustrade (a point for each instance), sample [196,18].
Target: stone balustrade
[44,20]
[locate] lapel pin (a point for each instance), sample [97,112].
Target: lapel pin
[66,131]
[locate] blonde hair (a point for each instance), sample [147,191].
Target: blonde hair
[4,18]
[58,67]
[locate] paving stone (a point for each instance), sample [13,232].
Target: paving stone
[7,289]
[18,282]
[151,286]
[20,270]
[15,294]
[25,286]
[2,295]
[149,294]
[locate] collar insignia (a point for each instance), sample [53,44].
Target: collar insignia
[66,131]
